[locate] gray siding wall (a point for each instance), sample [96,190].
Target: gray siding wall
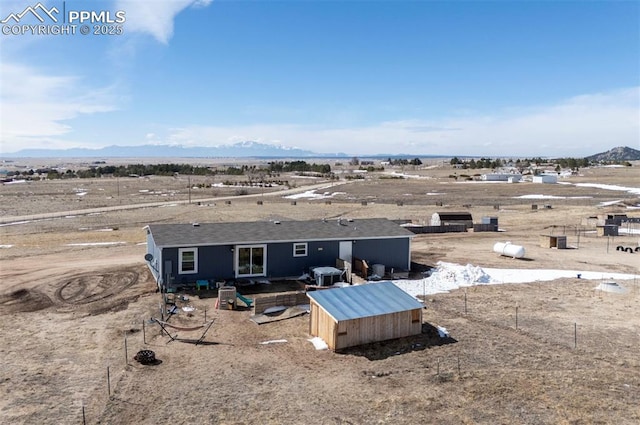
[390,252]
[155,265]
[216,262]
[282,263]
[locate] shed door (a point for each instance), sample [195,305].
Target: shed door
[345,251]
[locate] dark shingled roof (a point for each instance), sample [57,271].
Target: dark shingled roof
[177,235]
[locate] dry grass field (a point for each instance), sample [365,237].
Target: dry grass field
[74,287]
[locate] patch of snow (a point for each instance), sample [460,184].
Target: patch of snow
[318,343]
[607,203]
[311,194]
[273,341]
[551,197]
[540,196]
[449,276]
[6,246]
[634,190]
[406,176]
[14,223]
[442,332]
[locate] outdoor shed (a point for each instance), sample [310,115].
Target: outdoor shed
[545,178]
[362,314]
[181,254]
[607,230]
[553,241]
[449,218]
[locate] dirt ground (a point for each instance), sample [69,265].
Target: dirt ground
[75,313]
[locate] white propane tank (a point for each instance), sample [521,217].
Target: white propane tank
[508,249]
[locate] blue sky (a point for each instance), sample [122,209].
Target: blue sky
[500,78]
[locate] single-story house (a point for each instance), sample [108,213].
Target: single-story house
[362,314]
[449,218]
[545,178]
[501,177]
[185,253]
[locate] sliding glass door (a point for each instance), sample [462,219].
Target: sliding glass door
[251,260]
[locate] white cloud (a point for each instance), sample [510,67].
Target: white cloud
[578,126]
[155,17]
[35,106]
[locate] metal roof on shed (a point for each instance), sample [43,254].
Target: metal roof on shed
[455,215]
[203,234]
[371,299]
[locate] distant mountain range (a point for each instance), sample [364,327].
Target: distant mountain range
[621,153]
[246,149]
[250,149]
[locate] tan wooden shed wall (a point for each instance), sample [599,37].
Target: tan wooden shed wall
[365,330]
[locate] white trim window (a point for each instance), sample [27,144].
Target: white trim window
[187,260]
[300,249]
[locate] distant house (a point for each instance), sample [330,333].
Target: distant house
[616,219]
[362,314]
[545,178]
[452,218]
[501,177]
[179,254]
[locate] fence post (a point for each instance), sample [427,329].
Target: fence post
[108,383]
[575,335]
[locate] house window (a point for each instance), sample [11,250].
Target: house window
[251,260]
[300,249]
[188,260]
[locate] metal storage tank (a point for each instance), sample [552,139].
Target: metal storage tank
[508,249]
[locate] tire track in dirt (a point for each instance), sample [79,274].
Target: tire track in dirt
[92,292]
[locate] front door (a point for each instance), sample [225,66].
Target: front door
[251,260]
[345,251]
